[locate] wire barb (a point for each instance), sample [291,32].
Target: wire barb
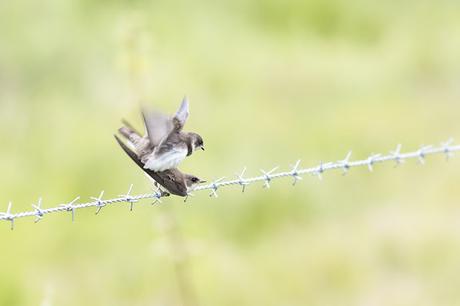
[241,181]
[422,153]
[396,155]
[371,160]
[446,148]
[8,216]
[320,169]
[129,199]
[99,202]
[295,173]
[268,177]
[214,187]
[157,195]
[38,210]
[70,207]
[345,163]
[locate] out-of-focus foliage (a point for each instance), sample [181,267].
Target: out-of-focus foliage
[269,82]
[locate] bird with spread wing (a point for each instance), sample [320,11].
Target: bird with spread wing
[163,148]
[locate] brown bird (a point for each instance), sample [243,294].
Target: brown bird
[165,145]
[173,180]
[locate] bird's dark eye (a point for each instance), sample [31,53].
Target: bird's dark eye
[194,179]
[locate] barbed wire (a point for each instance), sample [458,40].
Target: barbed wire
[447,148]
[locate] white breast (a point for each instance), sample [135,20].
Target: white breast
[165,161]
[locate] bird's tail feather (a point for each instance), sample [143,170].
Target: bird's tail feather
[130,134]
[130,126]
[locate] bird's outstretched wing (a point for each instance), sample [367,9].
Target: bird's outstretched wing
[158,126]
[167,179]
[181,116]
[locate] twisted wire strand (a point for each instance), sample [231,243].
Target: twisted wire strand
[447,148]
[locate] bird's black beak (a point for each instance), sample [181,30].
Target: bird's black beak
[202,148]
[201,182]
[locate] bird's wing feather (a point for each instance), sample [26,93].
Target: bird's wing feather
[158,126]
[141,145]
[181,116]
[172,183]
[130,153]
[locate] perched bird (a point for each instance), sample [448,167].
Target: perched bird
[173,180]
[165,145]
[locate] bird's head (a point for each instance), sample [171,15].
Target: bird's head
[192,181]
[197,141]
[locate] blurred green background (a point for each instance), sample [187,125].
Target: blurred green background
[269,82]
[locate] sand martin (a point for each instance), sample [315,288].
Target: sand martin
[165,145]
[173,180]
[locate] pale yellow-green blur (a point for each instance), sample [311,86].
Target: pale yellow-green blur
[269,82]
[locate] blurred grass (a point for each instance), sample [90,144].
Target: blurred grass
[269,82]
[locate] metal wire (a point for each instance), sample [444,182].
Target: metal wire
[446,148]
